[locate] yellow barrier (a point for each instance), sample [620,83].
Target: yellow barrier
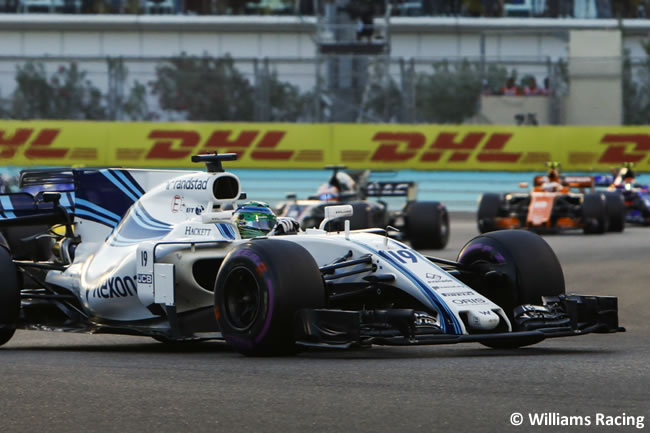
[283,145]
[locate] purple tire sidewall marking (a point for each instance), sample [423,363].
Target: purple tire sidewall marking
[269,312]
[266,277]
[487,248]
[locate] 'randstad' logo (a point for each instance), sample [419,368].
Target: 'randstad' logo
[188,184]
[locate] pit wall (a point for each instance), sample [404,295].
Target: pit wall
[310,146]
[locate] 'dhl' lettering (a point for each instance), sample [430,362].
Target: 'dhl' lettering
[391,142]
[615,152]
[163,147]
[493,150]
[219,140]
[40,147]
[9,144]
[264,149]
[445,141]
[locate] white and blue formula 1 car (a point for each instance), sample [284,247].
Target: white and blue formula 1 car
[153,253]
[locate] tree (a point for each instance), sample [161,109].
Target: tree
[204,88]
[67,94]
[452,92]
[636,87]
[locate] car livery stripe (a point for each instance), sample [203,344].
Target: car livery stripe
[109,175]
[150,222]
[121,241]
[98,210]
[67,199]
[230,230]
[140,218]
[449,318]
[226,231]
[129,182]
[7,206]
[95,217]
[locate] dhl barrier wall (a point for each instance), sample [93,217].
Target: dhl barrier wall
[282,145]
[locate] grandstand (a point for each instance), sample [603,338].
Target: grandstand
[291,63]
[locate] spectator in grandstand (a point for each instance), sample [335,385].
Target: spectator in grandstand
[510,88]
[627,8]
[492,8]
[547,86]
[531,89]
[559,8]
[447,7]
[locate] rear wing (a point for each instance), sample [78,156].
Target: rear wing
[570,181]
[22,208]
[392,189]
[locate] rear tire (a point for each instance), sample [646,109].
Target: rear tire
[259,288]
[427,225]
[488,210]
[529,270]
[594,213]
[615,211]
[9,296]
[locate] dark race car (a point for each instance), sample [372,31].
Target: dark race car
[424,223]
[635,196]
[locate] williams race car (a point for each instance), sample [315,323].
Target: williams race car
[564,202]
[425,224]
[153,253]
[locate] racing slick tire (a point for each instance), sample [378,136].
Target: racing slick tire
[427,225]
[594,213]
[488,210]
[526,269]
[615,211]
[259,288]
[9,295]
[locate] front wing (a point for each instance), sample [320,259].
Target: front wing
[559,316]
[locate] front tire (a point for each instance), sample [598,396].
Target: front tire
[527,266]
[427,225]
[259,288]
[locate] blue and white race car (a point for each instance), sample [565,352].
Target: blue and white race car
[154,253]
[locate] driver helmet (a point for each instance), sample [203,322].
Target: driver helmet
[254,218]
[327,192]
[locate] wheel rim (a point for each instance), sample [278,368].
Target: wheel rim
[444,227]
[242,298]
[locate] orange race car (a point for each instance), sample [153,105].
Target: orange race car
[554,203]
